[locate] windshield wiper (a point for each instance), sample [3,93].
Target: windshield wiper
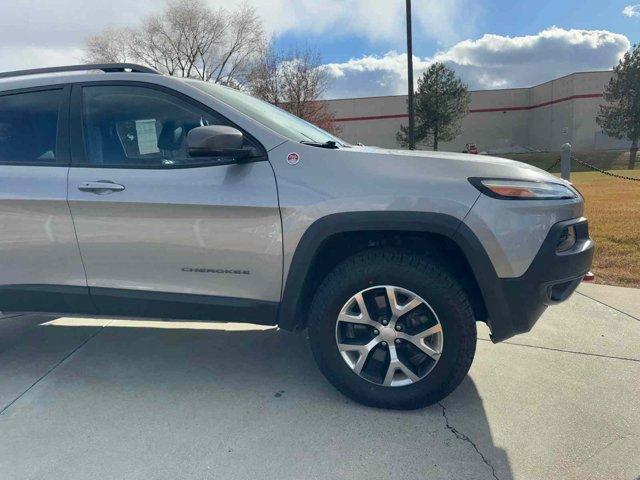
[327,144]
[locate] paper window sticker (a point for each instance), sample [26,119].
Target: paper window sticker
[147,136]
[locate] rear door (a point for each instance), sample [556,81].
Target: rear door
[40,265]
[162,233]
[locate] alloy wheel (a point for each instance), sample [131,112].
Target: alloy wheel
[389,335]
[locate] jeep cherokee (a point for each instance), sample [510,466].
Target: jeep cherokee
[129,193]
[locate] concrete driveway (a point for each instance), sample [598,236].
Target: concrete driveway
[127,399]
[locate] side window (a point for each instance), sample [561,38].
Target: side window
[132,126]
[28,127]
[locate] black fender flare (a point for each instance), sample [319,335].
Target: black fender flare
[424,222]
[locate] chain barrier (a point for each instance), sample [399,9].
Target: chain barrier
[553,166]
[624,177]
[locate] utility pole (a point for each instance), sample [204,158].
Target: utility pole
[412,124]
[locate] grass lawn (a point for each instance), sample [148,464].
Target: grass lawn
[613,209]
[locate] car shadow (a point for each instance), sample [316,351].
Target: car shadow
[252,403]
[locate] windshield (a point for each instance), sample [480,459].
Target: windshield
[282,122]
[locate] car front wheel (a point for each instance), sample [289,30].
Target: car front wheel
[392,329]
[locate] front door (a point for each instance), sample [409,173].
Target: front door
[159,231]
[40,266]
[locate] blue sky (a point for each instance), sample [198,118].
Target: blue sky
[491,44]
[471,21]
[502,17]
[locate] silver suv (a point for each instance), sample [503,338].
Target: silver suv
[126,192]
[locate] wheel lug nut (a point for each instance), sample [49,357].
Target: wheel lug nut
[398,327]
[385,322]
[384,344]
[398,341]
[376,332]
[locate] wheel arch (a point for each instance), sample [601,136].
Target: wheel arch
[343,234]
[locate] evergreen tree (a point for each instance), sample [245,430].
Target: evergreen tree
[620,117]
[441,102]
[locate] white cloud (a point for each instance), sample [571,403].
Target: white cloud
[37,57]
[62,26]
[492,61]
[372,75]
[64,23]
[36,33]
[631,11]
[375,20]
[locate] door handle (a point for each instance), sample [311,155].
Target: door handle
[101,187]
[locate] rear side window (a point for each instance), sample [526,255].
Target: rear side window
[28,127]
[131,126]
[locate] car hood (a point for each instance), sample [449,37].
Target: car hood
[464,164]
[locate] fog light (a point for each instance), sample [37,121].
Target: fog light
[558,292]
[567,239]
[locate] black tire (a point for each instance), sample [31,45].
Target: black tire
[420,274]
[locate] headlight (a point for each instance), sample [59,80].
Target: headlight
[523,189]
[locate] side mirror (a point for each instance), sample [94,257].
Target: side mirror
[216,141]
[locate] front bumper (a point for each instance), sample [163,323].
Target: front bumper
[550,279]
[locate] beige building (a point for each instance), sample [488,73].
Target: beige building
[539,118]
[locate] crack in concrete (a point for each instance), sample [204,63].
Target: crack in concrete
[574,352]
[461,436]
[601,449]
[84,342]
[609,306]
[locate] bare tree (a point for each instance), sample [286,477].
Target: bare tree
[188,39]
[231,61]
[296,82]
[112,45]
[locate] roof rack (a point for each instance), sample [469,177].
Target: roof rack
[105,67]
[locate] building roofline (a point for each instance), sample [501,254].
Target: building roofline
[483,90]
[572,74]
